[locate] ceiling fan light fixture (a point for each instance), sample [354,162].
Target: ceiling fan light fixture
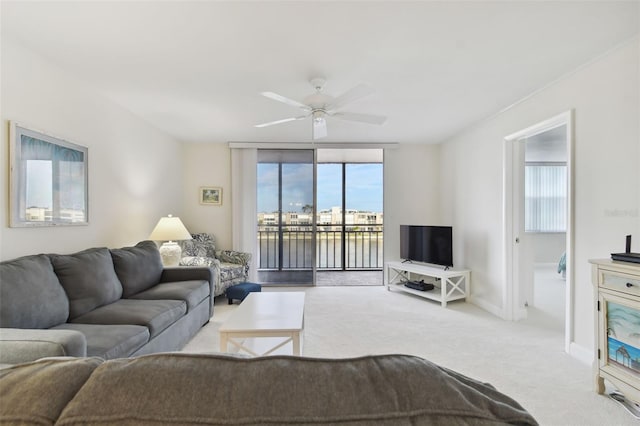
[318,128]
[318,116]
[320,105]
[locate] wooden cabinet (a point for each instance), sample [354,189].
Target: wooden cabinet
[617,323]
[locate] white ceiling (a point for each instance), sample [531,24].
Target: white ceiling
[195,69]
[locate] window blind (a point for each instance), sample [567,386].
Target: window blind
[545,197]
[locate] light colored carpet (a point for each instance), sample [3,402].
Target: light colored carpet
[521,359]
[549,295]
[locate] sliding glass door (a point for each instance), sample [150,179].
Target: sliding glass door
[320,210]
[363,216]
[349,220]
[286,241]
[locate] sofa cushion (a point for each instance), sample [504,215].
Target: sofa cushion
[88,278]
[192,292]
[36,393]
[282,390]
[156,315]
[110,341]
[138,268]
[30,294]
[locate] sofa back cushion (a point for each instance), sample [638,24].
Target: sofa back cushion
[138,268]
[388,390]
[88,278]
[37,392]
[30,294]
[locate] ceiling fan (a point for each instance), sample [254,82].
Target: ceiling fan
[319,106]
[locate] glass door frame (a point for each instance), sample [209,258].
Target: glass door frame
[280,266]
[344,233]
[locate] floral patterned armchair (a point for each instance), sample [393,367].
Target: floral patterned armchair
[230,267]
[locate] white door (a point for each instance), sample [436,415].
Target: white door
[522,243]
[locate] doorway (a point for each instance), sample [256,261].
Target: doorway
[538,225]
[545,226]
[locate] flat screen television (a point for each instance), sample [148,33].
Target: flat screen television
[428,244]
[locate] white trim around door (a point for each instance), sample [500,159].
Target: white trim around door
[510,294]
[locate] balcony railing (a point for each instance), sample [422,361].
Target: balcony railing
[361,247]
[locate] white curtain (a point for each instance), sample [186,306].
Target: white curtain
[243,204]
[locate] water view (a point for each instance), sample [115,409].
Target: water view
[348,216]
[363,250]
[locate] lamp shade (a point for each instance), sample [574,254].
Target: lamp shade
[170,229]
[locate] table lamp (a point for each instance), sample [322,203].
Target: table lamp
[169,229]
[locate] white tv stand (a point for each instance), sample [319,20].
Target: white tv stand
[452,284]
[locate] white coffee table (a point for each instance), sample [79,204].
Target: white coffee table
[265,315]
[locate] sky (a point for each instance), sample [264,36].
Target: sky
[364,187]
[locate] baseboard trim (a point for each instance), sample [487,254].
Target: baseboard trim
[489,307]
[581,353]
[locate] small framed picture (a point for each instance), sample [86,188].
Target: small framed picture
[211,195]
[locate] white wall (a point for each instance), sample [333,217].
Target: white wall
[135,171]
[548,247]
[411,192]
[208,165]
[605,96]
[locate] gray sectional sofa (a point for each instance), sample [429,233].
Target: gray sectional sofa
[109,303]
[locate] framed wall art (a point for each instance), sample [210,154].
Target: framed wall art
[211,195]
[48,180]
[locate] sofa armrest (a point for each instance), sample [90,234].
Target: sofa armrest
[232,256]
[180,273]
[19,345]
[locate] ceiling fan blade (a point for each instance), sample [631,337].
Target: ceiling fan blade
[284,120]
[353,94]
[364,118]
[319,128]
[285,100]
